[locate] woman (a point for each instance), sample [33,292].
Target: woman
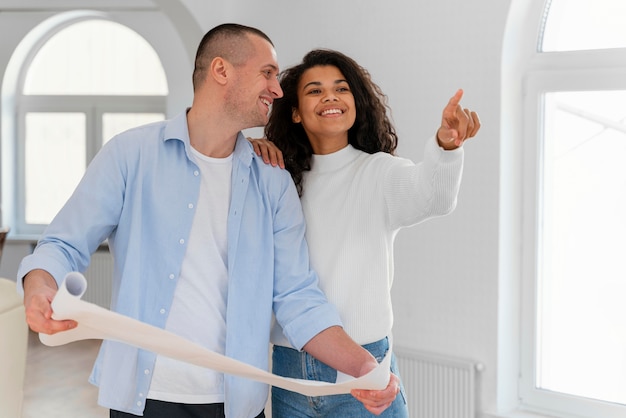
[337,142]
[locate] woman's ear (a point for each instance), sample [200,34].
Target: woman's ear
[295,116]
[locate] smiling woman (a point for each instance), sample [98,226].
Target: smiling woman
[338,142]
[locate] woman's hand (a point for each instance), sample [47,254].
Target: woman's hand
[376,401]
[268,151]
[457,124]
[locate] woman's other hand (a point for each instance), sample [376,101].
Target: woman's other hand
[268,151]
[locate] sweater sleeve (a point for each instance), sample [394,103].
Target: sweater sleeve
[416,192]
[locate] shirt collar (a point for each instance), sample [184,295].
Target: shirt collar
[177,128]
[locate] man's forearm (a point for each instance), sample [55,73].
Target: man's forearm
[335,348]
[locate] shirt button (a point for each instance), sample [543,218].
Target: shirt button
[196,173]
[141,395]
[147,371]
[138,403]
[171,276]
[190,206]
[162,311]
[182,241]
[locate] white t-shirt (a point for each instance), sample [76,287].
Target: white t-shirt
[199,307]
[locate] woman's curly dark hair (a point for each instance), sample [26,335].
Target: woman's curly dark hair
[372,130]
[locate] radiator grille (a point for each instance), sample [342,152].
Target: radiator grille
[438,386]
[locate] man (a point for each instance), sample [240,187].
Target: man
[207,240]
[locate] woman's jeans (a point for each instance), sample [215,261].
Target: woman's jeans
[292,363]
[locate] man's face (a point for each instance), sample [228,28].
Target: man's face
[254,86]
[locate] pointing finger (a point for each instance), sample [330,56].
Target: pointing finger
[454,101]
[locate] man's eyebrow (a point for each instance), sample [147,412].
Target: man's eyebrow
[272,66]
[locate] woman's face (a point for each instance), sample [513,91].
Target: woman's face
[326,108]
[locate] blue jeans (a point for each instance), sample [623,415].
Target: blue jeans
[292,363]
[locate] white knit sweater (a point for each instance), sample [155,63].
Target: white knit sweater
[354,204]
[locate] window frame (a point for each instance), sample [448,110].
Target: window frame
[93,107]
[590,70]
[35,28]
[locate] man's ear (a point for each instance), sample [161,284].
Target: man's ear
[295,116]
[220,70]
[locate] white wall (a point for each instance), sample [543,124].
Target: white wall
[446,286]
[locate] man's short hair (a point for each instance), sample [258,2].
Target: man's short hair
[229,41]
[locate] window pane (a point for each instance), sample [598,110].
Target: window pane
[96,57]
[114,123]
[55,162]
[573,25]
[582,314]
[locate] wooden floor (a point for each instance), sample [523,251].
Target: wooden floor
[56,382]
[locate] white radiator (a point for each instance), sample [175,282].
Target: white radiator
[438,386]
[99,276]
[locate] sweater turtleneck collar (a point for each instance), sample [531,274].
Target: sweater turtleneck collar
[335,160]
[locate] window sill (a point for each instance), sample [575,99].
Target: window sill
[23,239]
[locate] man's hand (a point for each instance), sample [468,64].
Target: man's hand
[39,290]
[268,151]
[376,401]
[457,124]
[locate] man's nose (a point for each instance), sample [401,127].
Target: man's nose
[276,90]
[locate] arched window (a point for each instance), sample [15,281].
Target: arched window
[573,339]
[578,25]
[87,81]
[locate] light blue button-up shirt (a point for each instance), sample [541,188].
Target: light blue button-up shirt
[140,193]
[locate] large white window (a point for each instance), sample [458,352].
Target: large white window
[87,82]
[574,321]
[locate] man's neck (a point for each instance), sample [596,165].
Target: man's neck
[210,137]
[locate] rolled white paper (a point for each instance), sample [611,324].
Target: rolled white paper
[95,322]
